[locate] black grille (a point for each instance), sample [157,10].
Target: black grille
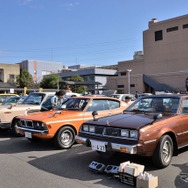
[112,132]
[26,123]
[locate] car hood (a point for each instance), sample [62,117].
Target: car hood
[132,121]
[53,115]
[19,106]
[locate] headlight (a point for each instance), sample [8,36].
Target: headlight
[124,133]
[85,128]
[91,129]
[134,134]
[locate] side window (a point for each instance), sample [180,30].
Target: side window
[98,105]
[185,106]
[114,104]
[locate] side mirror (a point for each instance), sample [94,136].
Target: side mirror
[157,116]
[57,112]
[94,113]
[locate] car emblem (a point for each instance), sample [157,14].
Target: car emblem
[107,123]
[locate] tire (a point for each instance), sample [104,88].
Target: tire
[13,128]
[64,138]
[163,154]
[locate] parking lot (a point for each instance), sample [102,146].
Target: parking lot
[26,164]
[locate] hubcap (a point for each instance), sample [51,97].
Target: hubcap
[66,137]
[166,152]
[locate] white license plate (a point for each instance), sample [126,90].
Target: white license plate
[28,135]
[98,146]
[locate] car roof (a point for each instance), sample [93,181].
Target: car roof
[96,97]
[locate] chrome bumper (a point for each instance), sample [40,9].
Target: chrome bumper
[5,125]
[123,148]
[31,130]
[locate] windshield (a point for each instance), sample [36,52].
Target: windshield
[155,104]
[75,104]
[34,98]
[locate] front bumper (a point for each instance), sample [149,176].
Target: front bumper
[5,125]
[110,146]
[33,131]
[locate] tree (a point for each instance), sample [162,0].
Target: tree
[50,81]
[78,89]
[25,79]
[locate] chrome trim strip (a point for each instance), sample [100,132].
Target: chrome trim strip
[150,141]
[32,130]
[131,149]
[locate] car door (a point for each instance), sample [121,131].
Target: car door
[99,105]
[183,136]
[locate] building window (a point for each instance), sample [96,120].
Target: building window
[123,73]
[158,35]
[185,26]
[172,29]
[11,76]
[120,86]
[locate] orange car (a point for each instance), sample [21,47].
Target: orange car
[63,124]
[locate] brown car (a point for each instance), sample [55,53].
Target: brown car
[154,126]
[63,124]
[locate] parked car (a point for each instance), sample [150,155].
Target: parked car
[63,124]
[155,126]
[14,100]
[32,103]
[4,96]
[123,96]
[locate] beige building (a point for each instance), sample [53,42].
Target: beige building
[163,66]
[9,72]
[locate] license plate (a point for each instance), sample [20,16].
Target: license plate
[28,135]
[98,146]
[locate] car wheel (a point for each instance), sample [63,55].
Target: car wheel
[13,128]
[65,138]
[164,152]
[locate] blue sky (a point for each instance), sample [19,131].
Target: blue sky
[95,32]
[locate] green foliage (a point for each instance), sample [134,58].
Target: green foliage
[77,88]
[50,82]
[25,79]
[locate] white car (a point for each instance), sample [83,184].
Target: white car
[122,96]
[32,103]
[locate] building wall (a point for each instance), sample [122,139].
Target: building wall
[9,70]
[40,68]
[165,59]
[92,74]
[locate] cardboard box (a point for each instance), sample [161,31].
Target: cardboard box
[127,179]
[131,168]
[147,183]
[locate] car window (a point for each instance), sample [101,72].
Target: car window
[75,104]
[114,104]
[47,104]
[34,98]
[98,105]
[185,106]
[155,104]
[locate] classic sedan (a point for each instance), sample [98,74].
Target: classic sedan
[155,126]
[63,124]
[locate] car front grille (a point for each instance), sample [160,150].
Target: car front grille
[26,123]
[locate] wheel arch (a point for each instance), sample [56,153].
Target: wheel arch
[66,125]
